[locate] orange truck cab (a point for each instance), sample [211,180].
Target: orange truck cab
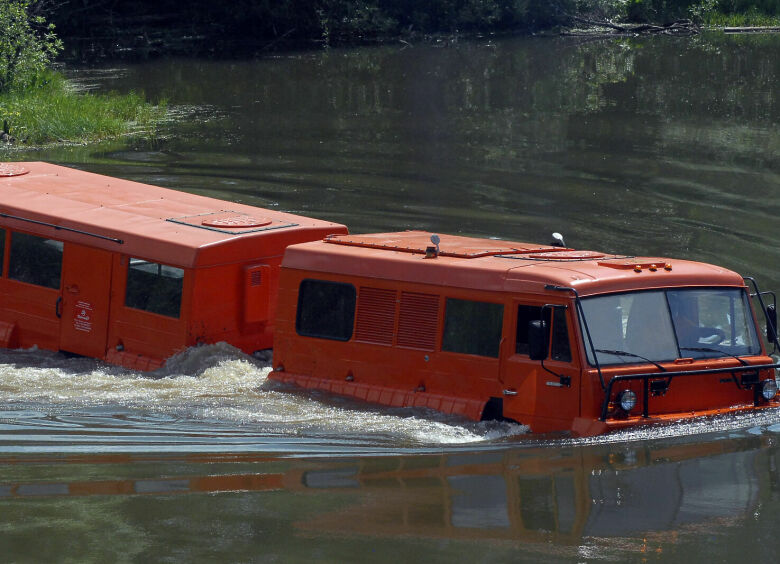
[131,273]
[551,337]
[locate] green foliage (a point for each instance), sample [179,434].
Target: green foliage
[27,46]
[755,11]
[752,18]
[659,11]
[37,105]
[701,11]
[601,9]
[742,13]
[342,19]
[235,20]
[334,20]
[53,112]
[768,7]
[358,20]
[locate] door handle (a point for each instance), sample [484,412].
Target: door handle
[58,307]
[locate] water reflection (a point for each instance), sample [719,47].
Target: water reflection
[536,494]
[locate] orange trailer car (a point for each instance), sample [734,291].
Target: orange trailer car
[558,339]
[132,273]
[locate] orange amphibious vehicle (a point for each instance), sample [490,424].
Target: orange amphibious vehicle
[551,337]
[548,336]
[131,273]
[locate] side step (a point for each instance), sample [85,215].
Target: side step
[386,396]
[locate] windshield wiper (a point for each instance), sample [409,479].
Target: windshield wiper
[708,349]
[626,353]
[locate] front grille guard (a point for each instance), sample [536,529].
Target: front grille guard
[667,377]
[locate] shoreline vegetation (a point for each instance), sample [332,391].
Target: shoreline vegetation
[54,112]
[38,106]
[137,29]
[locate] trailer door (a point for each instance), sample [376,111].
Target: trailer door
[84,303]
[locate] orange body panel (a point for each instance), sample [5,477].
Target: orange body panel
[217,260]
[85,303]
[394,352]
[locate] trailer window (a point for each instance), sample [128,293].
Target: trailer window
[35,260]
[472,327]
[325,310]
[154,287]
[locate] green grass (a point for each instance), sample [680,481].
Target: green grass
[748,19]
[53,112]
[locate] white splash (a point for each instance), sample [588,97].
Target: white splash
[218,387]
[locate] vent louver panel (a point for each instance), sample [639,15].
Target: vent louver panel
[256,278]
[417,321]
[375,316]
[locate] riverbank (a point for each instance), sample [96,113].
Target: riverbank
[55,112]
[39,106]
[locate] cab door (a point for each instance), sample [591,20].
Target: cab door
[83,306]
[544,395]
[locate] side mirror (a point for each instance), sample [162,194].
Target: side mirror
[538,339]
[771,323]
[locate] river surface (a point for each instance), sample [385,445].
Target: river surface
[658,146]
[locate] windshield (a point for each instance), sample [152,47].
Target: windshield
[663,325]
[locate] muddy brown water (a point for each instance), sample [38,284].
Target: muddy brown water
[657,146]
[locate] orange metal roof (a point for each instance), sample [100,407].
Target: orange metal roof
[450,245]
[155,223]
[488,264]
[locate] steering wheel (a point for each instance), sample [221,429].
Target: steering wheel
[709,332]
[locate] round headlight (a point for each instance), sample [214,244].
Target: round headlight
[627,400]
[769,389]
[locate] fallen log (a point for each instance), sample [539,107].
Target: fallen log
[755,29]
[679,27]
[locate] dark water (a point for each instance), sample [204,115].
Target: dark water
[648,146]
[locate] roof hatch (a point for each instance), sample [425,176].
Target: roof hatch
[449,246]
[567,254]
[11,169]
[233,223]
[639,264]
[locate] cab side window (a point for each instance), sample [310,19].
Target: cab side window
[35,260]
[560,349]
[472,327]
[326,310]
[560,336]
[154,287]
[525,314]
